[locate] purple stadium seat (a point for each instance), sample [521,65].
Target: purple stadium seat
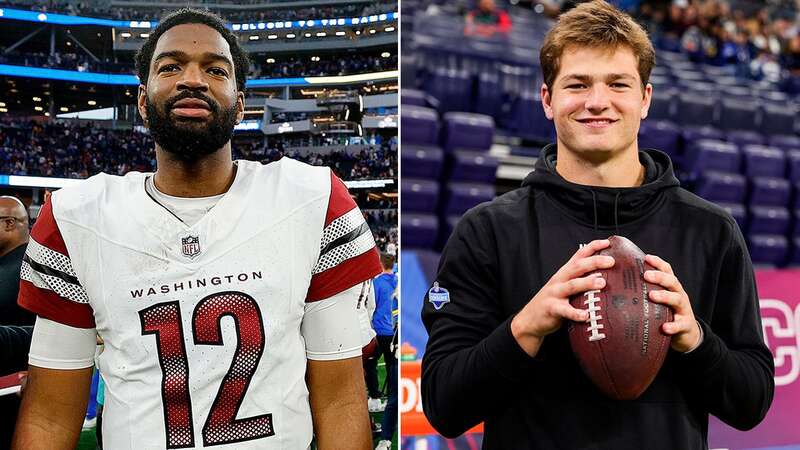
[796,194]
[796,229]
[489,101]
[453,89]
[693,109]
[768,249]
[785,141]
[478,167]
[467,131]
[460,197]
[418,230]
[661,135]
[419,195]
[527,118]
[794,261]
[744,137]
[737,211]
[761,161]
[413,97]
[768,220]
[709,154]
[721,187]
[777,119]
[769,191]
[662,104]
[793,157]
[692,134]
[737,114]
[420,125]
[422,161]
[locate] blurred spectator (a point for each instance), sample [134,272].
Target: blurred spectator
[14,232]
[486,20]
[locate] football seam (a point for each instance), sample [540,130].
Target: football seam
[607,371]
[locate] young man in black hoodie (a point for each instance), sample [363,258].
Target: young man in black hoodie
[498,351]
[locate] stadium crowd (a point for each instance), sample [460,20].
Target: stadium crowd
[761,39]
[293,66]
[119,12]
[70,150]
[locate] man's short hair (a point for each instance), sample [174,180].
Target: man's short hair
[595,24]
[387,260]
[241,62]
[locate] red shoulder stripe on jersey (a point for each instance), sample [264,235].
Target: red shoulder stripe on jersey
[344,276]
[51,306]
[46,231]
[340,201]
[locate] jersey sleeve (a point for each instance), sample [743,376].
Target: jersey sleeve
[49,286]
[338,327]
[347,254]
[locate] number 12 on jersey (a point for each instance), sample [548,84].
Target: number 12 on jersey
[221,427]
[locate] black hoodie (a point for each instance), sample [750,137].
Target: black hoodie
[501,254]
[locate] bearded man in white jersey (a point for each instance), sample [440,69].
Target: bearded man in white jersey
[226,292]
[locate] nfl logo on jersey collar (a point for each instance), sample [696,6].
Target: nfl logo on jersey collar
[190,246]
[438,296]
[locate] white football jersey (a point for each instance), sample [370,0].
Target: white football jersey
[207,328]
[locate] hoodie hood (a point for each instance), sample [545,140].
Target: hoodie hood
[604,207]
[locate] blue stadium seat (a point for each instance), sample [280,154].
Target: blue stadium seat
[413,97]
[737,211]
[693,109]
[422,161]
[692,134]
[761,161]
[468,131]
[473,166]
[769,191]
[420,125]
[738,114]
[785,141]
[662,105]
[768,249]
[795,258]
[459,197]
[418,230]
[489,100]
[796,221]
[721,187]
[709,154]
[769,220]
[528,120]
[777,119]
[453,89]
[793,157]
[744,137]
[419,195]
[661,135]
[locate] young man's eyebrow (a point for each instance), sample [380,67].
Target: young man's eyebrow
[586,78]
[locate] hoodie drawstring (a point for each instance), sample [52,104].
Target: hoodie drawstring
[594,204]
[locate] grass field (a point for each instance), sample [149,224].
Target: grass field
[88,439]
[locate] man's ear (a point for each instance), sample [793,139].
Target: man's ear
[141,102]
[546,101]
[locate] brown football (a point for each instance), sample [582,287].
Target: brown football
[621,348]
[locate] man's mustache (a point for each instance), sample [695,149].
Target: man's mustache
[212,105]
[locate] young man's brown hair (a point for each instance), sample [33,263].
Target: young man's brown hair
[595,24]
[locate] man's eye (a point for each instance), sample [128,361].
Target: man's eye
[218,71]
[575,86]
[168,68]
[619,85]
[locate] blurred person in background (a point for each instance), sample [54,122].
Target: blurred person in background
[14,233]
[487,20]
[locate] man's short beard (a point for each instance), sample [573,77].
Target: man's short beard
[188,139]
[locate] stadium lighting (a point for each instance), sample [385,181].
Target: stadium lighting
[91,102]
[254,38]
[307,35]
[37,99]
[388,29]
[340,22]
[2,105]
[315,58]
[272,36]
[237,27]
[64,109]
[38,108]
[3,110]
[270,26]
[270,60]
[321,34]
[371,31]
[261,25]
[382,17]
[355,21]
[47,114]
[386,54]
[290,36]
[340,33]
[42,17]
[310,23]
[144,35]
[358,32]
[125,35]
